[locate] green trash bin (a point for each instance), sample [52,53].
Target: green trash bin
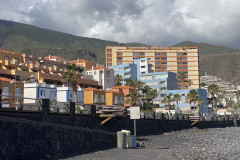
[121,139]
[127,138]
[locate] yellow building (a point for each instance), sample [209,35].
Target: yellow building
[12,92]
[94,96]
[114,98]
[84,63]
[173,59]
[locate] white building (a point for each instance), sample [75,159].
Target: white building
[39,90]
[103,75]
[64,94]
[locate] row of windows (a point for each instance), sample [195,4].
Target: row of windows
[182,58]
[163,58]
[163,63]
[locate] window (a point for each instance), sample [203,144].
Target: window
[95,98]
[109,60]
[164,58]
[184,54]
[5,91]
[156,59]
[184,58]
[143,72]
[116,100]
[179,54]
[108,73]
[102,99]
[17,92]
[135,53]
[120,54]
[95,72]
[109,55]
[142,66]
[156,68]
[42,93]
[109,50]
[157,63]
[164,54]
[179,63]
[183,94]
[164,63]
[179,58]
[142,61]
[52,96]
[185,62]
[157,54]
[121,100]
[142,54]
[6,58]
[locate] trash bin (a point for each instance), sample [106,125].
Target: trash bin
[121,139]
[127,138]
[133,141]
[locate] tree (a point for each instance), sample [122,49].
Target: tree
[138,85]
[230,103]
[118,80]
[213,90]
[71,76]
[146,89]
[168,100]
[189,82]
[129,82]
[199,102]
[177,98]
[192,98]
[132,98]
[182,78]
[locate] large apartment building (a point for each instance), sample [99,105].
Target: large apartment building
[173,59]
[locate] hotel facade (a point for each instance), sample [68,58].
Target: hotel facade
[173,59]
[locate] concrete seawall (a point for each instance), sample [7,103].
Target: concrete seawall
[27,139]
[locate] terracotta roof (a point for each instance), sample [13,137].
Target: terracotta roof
[123,87]
[8,80]
[92,89]
[98,68]
[112,91]
[53,57]
[10,52]
[88,82]
[79,61]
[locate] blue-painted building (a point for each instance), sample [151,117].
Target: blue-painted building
[142,67]
[161,81]
[184,105]
[126,71]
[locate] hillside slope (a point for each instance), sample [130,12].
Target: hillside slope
[215,60]
[42,42]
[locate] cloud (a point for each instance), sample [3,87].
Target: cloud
[158,23]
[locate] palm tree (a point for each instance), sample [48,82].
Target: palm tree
[189,82]
[138,85]
[177,98]
[132,98]
[192,98]
[71,76]
[146,89]
[118,80]
[213,89]
[129,82]
[182,78]
[199,102]
[168,100]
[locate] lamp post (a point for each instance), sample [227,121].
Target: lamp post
[15,76]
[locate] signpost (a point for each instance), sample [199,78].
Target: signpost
[135,114]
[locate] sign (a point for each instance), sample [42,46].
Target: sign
[135,112]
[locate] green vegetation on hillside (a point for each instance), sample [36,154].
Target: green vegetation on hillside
[215,60]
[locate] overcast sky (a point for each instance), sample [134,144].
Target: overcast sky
[153,22]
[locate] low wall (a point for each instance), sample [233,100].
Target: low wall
[27,139]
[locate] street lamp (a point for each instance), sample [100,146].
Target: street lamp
[16,99]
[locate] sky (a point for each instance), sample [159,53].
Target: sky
[152,22]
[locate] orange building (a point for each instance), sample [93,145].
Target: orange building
[93,96]
[12,93]
[173,59]
[114,98]
[125,90]
[84,63]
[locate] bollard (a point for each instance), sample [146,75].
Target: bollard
[72,112]
[235,121]
[45,109]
